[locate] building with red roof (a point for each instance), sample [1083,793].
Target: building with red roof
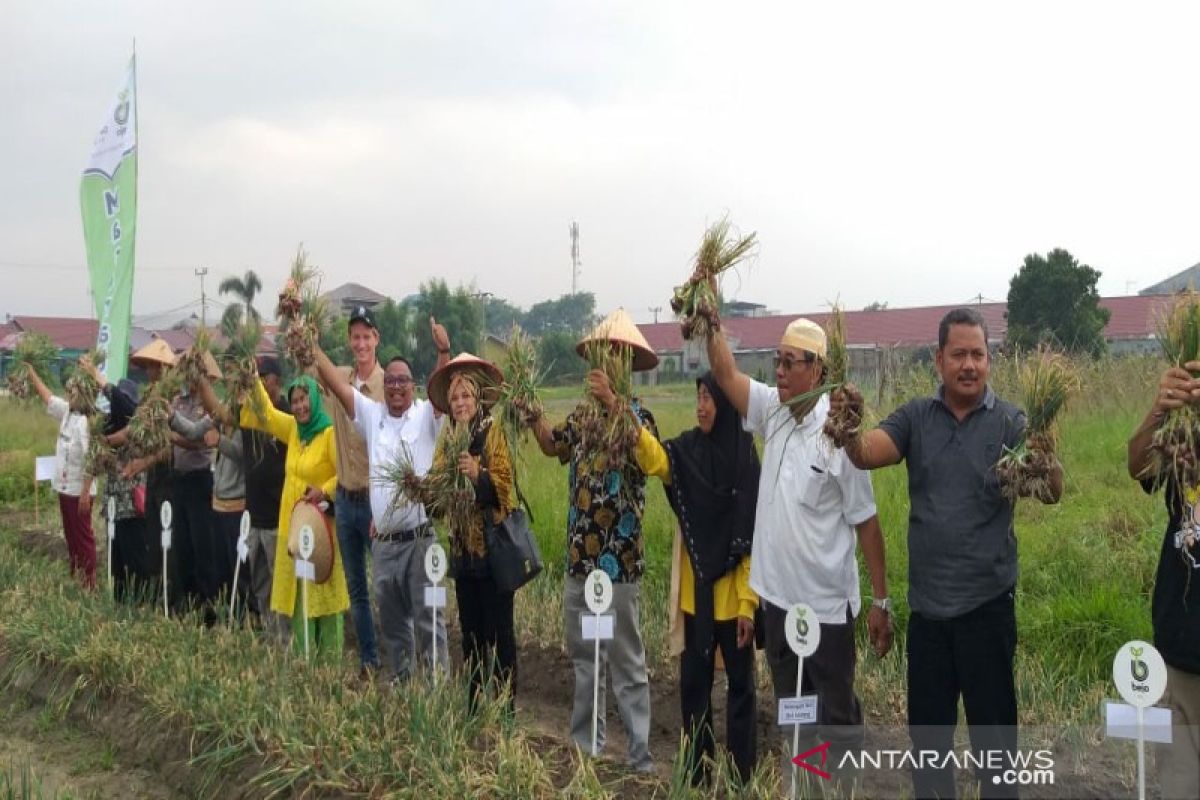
[874,335]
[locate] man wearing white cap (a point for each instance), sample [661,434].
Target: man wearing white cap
[811,502]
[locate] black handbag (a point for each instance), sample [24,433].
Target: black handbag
[513,555]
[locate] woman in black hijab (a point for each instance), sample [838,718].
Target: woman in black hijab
[711,474]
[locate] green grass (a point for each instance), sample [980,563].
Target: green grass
[26,431]
[1087,570]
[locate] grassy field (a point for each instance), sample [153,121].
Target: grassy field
[1087,567]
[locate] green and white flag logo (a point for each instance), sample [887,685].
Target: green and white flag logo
[108,200]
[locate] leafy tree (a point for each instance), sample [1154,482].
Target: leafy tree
[557,356]
[244,290]
[499,316]
[1053,299]
[571,313]
[333,340]
[458,310]
[877,306]
[395,330]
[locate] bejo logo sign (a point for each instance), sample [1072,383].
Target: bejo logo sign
[1137,667]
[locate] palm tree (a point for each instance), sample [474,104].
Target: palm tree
[244,289]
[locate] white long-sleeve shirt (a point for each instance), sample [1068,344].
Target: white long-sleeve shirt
[71,450]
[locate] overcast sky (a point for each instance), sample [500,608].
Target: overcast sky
[910,152]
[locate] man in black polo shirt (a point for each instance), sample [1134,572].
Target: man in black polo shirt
[1175,608]
[962,551]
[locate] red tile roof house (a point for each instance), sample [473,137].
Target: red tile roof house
[873,336]
[75,336]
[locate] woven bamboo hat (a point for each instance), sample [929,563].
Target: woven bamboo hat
[157,352]
[211,368]
[304,514]
[489,380]
[618,328]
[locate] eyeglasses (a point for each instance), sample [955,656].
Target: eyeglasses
[788,362]
[396,381]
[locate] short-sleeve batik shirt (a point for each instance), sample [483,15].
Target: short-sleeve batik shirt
[604,522]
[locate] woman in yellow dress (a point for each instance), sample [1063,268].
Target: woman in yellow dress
[310,474]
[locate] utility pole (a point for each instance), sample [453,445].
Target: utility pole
[201,272]
[575,263]
[482,297]
[654,310]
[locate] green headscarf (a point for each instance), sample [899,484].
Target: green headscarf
[318,420]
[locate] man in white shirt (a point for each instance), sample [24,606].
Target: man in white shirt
[73,502]
[402,534]
[811,502]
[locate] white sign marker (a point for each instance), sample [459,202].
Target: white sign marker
[164,516]
[306,570]
[243,553]
[798,710]
[803,632]
[112,535]
[307,542]
[1120,722]
[435,563]
[435,596]
[596,626]
[598,591]
[43,468]
[1141,678]
[435,570]
[598,594]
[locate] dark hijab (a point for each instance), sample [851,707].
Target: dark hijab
[713,491]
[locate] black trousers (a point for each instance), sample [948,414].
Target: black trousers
[489,642]
[970,655]
[828,673]
[193,561]
[227,526]
[134,562]
[158,489]
[696,671]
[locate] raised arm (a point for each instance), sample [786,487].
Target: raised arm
[733,382]
[38,386]
[1176,388]
[337,383]
[274,422]
[212,403]
[441,341]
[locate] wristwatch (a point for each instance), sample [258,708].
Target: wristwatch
[883,603]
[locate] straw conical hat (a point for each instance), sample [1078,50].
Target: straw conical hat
[210,367]
[157,352]
[305,513]
[618,327]
[438,387]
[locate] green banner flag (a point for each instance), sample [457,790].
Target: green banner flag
[108,199]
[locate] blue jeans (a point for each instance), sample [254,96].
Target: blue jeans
[354,540]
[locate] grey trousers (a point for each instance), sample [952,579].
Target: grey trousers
[623,657]
[398,578]
[262,542]
[1179,762]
